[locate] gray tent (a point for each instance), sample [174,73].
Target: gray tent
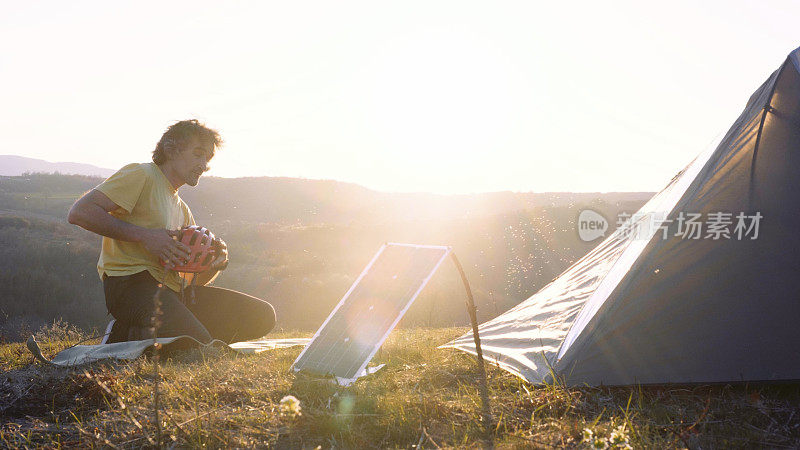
[652,304]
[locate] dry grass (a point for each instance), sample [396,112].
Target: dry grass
[424,397]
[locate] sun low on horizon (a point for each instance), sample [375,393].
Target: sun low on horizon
[452,97]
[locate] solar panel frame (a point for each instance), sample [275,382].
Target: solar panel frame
[301,363]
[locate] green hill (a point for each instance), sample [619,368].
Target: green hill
[298,244]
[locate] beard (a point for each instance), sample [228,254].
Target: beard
[193,179]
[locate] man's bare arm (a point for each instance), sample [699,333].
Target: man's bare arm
[91,212]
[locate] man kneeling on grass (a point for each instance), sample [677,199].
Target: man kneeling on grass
[138,212]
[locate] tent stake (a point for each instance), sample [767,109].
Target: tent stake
[473,317]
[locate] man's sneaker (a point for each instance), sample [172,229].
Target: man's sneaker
[108,331]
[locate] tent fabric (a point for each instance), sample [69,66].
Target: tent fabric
[129,350]
[262,345]
[648,309]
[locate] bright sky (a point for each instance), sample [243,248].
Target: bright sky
[440,96]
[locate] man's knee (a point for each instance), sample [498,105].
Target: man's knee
[177,320]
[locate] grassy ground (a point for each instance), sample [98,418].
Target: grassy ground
[424,397]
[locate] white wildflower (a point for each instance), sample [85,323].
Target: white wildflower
[600,443]
[619,437]
[290,405]
[588,435]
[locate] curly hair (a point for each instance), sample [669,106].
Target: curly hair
[177,136]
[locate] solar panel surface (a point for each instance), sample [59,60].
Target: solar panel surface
[368,312]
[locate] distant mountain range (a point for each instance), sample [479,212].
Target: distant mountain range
[291,200]
[300,201]
[279,199]
[13,165]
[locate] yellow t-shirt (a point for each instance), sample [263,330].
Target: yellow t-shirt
[147,200]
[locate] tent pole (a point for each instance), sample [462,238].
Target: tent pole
[473,317]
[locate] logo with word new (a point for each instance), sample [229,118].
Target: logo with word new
[591,225]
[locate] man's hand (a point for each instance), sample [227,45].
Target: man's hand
[161,243]
[221,261]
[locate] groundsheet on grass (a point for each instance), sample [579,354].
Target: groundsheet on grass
[83,354]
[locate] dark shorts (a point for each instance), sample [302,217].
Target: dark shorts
[215,313]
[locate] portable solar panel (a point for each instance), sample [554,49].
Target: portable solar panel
[371,308]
